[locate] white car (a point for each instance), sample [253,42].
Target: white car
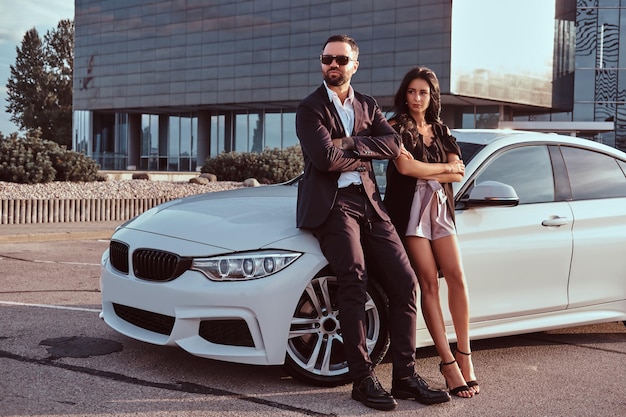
[227,275]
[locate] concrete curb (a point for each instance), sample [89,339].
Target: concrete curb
[55,236]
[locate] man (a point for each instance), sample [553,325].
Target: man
[340,132]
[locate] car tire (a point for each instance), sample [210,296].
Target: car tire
[315,353]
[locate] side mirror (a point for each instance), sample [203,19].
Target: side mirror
[492,193]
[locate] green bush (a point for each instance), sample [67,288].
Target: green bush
[270,166]
[31,160]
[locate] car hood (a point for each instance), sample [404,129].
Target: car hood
[240,219]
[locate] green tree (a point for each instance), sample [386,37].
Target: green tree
[59,53]
[40,85]
[25,87]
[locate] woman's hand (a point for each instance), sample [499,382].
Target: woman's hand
[456,167]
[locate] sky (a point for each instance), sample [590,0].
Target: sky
[16,18]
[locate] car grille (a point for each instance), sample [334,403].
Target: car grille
[156,265]
[118,254]
[147,320]
[226,332]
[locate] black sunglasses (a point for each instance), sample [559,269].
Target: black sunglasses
[341,59]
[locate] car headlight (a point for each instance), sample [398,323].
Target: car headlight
[244,266]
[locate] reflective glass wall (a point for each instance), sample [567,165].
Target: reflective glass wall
[600,77]
[196,78]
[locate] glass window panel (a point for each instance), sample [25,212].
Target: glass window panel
[273,129]
[149,142]
[622,44]
[608,38]
[185,164]
[217,134]
[154,134]
[172,164]
[186,136]
[82,131]
[621,82]
[194,136]
[173,142]
[468,121]
[121,125]
[608,3]
[586,36]
[256,131]
[584,85]
[584,112]
[241,133]
[593,175]
[511,167]
[145,135]
[605,111]
[289,130]
[487,117]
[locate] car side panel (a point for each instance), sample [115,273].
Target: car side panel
[598,272]
[514,265]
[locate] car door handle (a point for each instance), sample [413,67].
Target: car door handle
[555,221]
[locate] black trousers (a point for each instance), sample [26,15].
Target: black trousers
[352,232]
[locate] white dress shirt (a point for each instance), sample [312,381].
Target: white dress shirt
[346,114]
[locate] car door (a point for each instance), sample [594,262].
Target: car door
[516,259]
[598,184]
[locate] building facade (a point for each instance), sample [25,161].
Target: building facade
[163,85]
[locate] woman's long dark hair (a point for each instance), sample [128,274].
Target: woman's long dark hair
[400,105]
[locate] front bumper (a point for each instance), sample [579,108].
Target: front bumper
[244,322]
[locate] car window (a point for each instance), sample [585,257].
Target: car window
[593,175]
[468,150]
[527,169]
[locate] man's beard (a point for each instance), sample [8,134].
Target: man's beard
[335,81]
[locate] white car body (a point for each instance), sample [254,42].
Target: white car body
[529,267]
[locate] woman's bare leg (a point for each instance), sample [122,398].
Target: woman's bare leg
[447,254]
[423,261]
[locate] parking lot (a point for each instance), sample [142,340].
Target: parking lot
[57,358]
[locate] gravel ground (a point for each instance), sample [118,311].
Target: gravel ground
[109,189]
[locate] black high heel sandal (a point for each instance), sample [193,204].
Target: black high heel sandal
[455,391]
[472,384]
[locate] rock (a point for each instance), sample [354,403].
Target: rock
[251,182]
[199,180]
[209,176]
[141,176]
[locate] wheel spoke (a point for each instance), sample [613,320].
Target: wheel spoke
[314,299]
[326,360]
[303,326]
[310,365]
[326,295]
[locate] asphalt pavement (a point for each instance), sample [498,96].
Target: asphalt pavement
[49,305]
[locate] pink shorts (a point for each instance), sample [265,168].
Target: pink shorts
[430,217]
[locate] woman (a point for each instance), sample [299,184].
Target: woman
[421,204]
